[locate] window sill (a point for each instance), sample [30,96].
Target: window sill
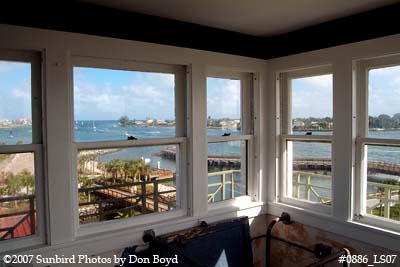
[117,239]
[241,205]
[348,229]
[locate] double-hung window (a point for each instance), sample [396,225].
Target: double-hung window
[21,150]
[377,191]
[306,125]
[129,140]
[230,135]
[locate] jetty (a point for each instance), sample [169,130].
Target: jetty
[299,164]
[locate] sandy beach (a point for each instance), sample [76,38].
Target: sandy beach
[17,163]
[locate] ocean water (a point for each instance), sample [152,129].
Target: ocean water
[91,131]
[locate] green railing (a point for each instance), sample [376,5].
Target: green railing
[379,203]
[221,185]
[310,189]
[383,200]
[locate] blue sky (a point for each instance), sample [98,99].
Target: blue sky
[101,94]
[384,91]
[109,94]
[15,86]
[223,98]
[312,97]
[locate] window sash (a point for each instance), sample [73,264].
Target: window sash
[286,163]
[245,158]
[286,135]
[178,71]
[181,174]
[246,132]
[360,195]
[362,68]
[36,147]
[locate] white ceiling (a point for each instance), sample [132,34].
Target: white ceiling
[254,17]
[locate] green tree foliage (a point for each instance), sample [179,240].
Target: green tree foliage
[13,183]
[124,169]
[384,121]
[27,181]
[124,121]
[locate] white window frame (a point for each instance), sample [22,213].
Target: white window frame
[248,90]
[285,135]
[180,140]
[36,147]
[362,68]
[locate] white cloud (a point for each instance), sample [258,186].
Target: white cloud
[146,95]
[312,97]
[223,100]
[384,91]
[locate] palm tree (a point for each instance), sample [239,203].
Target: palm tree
[13,185]
[27,180]
[142,169]
[130,169]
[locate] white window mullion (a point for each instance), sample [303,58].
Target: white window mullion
[198,185]
[343,141]
[59,151]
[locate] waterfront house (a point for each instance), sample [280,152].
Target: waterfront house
[302,87]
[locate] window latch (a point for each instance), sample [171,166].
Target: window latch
[358,216]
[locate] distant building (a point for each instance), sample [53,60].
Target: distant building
[161,122]
[297,123]
[4,122]
[24,121]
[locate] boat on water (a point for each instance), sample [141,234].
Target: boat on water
[11,134]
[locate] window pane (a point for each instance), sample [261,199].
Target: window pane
[117,104]
[227,177]
[17,196]
[310,171]
[383,102]
[15,103]
[127,182]
[312,104]
[223,107]
[383,181]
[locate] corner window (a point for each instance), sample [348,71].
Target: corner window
[129,135]
[21,170]
[306,128]
[378,146]
[230,135]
